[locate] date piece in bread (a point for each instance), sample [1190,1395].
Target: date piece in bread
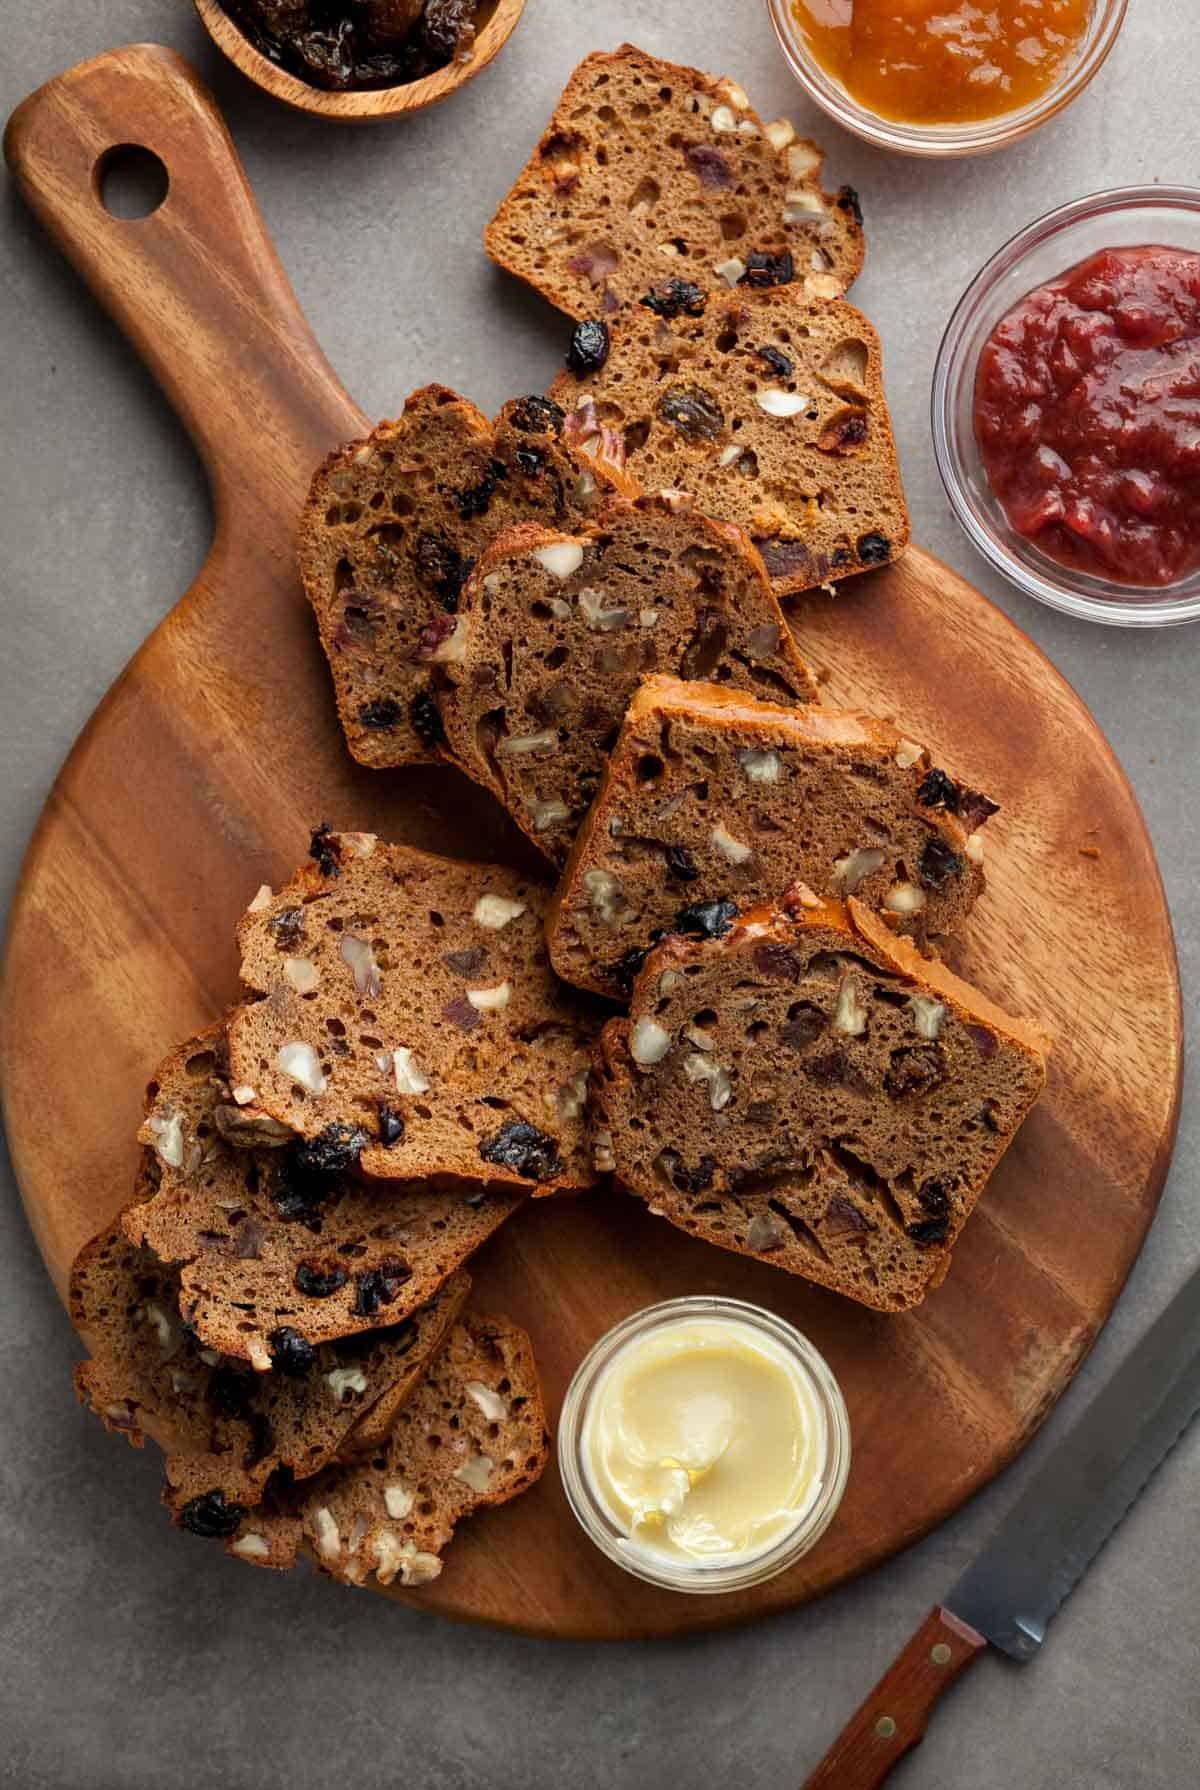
[713,802]
[407,1001]
[560,628]
[768,410]
[809,1090]
[270,1233]
[648,170]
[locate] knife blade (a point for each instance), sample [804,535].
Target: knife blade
[1086,1486]
[1008,1596]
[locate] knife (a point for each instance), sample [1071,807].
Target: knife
[1041,1550]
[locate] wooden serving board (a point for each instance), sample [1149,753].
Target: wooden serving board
[204,769]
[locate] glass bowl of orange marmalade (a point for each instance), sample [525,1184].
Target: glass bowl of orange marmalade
[945,77]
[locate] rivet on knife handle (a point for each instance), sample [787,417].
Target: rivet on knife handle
[895,1715]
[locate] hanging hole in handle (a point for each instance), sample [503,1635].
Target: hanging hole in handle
[131,182]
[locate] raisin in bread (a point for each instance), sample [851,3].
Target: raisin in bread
[648,169]
[405,1004]
[391,528]
[472,1434]
[713,802]
[223,1428]
[271,1232]
[809,1090]
[767,409]
[267,1533]
[559,628]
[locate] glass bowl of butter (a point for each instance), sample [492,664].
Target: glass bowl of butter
[704,1444]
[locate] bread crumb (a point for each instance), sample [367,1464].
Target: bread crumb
[1089,851]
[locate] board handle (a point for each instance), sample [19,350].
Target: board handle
[196,285]
[895,1715]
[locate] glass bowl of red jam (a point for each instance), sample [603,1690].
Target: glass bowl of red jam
[926,78]
[1066,408]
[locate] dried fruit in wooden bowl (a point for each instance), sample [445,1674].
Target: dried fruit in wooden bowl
[346,45]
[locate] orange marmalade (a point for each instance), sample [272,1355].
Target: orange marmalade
[938,62]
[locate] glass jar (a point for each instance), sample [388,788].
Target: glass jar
[1127,217]
[973,138]
[601,1524]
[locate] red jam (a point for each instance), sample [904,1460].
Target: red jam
[1087,414]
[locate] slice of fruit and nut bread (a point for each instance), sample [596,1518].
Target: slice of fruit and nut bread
[472,1434]
[224,1428]
[271,1232]
[766,408]
[559,628]
[391,528]
[809,1090]
[713,802]
[648,169]
[409,1001]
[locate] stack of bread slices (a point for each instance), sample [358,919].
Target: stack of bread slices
[725,991]
[280,1306]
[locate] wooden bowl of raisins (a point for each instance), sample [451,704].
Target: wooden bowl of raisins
[360,60]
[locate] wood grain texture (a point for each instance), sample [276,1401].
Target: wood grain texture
[499,22]
[893,1718]
[204,769]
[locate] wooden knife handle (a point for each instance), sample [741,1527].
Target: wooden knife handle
[894,1717]
[196,285]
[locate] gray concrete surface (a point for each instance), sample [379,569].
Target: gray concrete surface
[131,1659]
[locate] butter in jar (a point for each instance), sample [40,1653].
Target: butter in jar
[704,1444]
